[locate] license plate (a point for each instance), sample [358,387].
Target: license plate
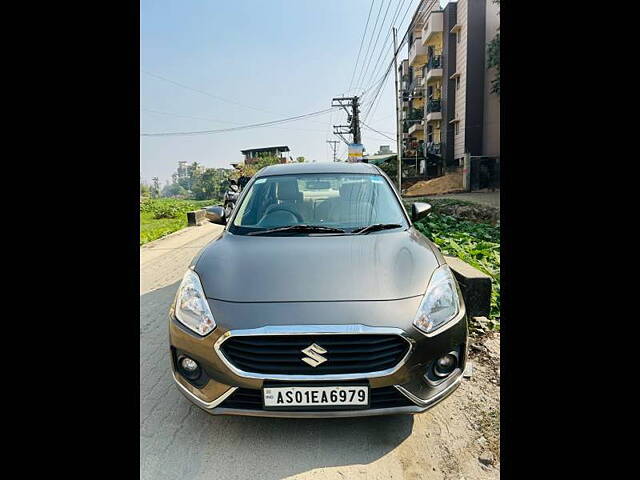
[346,395]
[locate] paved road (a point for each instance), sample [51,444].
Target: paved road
[180,441]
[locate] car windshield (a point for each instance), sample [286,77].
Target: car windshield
[333,200]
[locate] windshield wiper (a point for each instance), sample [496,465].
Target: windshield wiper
[299,228]
[375,227]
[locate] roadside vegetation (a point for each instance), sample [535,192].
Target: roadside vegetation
[470,232]
[162,216]
[192,186]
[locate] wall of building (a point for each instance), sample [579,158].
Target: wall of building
[448,85]
[461,68]
[476,72]
[491,134]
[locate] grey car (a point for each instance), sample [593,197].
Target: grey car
[319,299]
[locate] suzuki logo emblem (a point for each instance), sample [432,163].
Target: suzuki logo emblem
[314,357]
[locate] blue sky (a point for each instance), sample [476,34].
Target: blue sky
[279,57]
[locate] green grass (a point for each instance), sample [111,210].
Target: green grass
[475,242]
[162,216]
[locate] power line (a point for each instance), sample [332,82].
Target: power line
[391,43]
[378,90]
[377,131]
[179,115]
[186,87]
[376,42]
[370,40]
[393,22]
[361,43]
[404,39]
[243,127]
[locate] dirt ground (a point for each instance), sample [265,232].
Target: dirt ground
[449,183]
[457,439]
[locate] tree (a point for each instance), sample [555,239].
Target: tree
[145,190]
[493,55]
[251,170]
[211,183]
[174,190]
[155,189]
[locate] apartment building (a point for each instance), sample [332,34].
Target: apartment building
[184,169]
[449,108]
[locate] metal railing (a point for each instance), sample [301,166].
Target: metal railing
[435,61]
[433,106]
[432,148]
[415,114]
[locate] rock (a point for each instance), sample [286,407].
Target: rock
[486,458]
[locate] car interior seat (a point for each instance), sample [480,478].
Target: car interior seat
[353,206]
[288,195]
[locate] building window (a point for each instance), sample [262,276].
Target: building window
[458,83]
[457,127]
[458,36]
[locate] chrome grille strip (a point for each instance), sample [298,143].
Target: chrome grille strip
[352,329]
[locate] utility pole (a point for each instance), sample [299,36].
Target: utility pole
[334,147]
[397,91]
[352,117]
[355,121]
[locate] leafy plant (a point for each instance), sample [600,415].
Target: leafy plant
[161,216]
[476,243]
[493,58]
[493,54]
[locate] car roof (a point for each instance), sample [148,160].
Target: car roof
[325,167]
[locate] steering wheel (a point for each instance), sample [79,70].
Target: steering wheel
[283,208]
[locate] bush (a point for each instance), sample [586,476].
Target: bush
[161,216]
[476,243]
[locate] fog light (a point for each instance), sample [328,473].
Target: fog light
[445,365]
[189,368]
[188,365]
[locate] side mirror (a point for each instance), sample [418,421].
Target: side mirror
[216,215]
[419,210]
[233,187]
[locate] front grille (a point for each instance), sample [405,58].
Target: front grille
[250,399]
[282,354]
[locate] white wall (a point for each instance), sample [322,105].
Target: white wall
[461,68]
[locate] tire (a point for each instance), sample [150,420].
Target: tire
[228,209]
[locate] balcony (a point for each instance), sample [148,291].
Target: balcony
[433,148]
[417,53]
[434,110]
[415,114]
[416,129]
[434,68]
[432,27]
[404,70]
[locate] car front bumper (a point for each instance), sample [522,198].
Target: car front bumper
[213,409]
[413,391]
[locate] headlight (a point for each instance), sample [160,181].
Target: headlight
[440,303]
[192,309]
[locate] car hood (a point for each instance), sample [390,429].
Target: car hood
[378,266]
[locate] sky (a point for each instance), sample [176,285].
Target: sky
[257,61]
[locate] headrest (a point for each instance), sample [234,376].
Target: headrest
[356,191]
[288,190]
